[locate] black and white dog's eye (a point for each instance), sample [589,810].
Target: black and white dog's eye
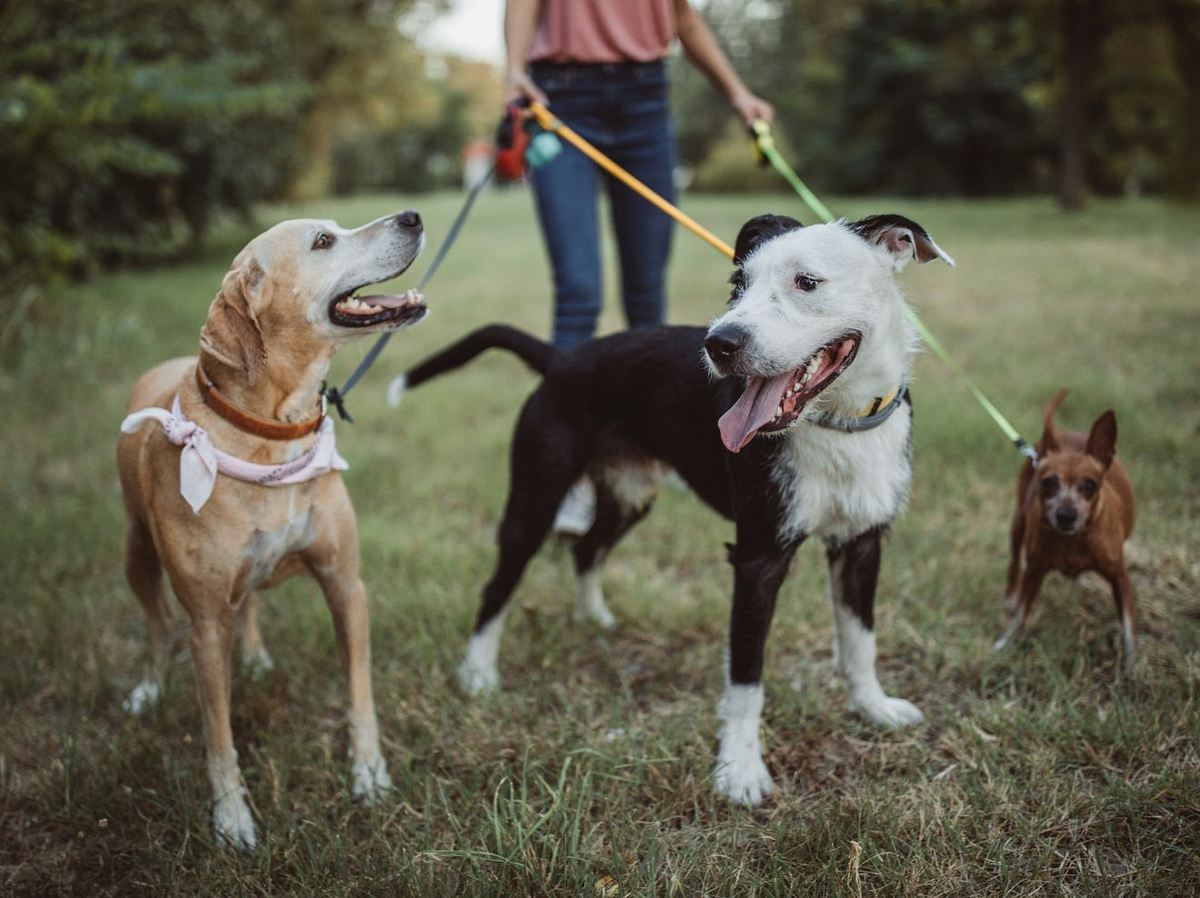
[322,241]
[738,279]
[807,282]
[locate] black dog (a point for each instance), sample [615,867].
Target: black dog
[815,351]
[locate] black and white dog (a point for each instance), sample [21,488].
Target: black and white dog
[789,415]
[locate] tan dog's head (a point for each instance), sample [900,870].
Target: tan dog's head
[1070,471]
[292,289]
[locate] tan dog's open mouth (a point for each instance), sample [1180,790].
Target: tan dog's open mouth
[775,403]
[398,310]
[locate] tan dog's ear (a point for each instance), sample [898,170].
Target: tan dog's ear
[1102,438]
[1049,440]
[232,333]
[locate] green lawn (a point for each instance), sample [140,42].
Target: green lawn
[1036,773]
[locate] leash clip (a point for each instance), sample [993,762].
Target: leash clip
[331,396]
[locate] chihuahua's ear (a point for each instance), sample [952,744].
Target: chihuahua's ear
[1102,438]
[900,236]
[757,231]
[232,333]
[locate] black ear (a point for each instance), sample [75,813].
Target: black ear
[900,236]
[759,229]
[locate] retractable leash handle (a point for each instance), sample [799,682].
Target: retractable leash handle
[764,143]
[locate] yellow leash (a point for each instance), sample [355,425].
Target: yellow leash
[554,125]
[765,143]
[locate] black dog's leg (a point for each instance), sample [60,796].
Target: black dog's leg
[613,521]
[547,457]
[758,571]
[853,575]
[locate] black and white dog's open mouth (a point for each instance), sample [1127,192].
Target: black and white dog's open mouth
[772,404]
[399,310]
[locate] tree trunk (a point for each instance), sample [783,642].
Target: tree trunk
[1078,40]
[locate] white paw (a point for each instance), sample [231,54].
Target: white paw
[598,616]
[744,778]
[233,823]
[892,713]
[395,390]
[1002,643]
[259,663]
[478,679]
[371,781]
[145,695]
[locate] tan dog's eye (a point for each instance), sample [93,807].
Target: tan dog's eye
[1088,487]
[1049,486]
[323,241]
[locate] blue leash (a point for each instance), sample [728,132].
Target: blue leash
[336,396]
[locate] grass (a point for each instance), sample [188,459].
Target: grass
[1036,774]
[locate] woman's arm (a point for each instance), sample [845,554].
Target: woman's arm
[520,19]
[702,48]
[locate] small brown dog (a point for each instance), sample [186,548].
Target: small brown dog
[236,487]
[1075,509]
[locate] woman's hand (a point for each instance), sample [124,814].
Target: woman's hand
[750,108]
[518,85]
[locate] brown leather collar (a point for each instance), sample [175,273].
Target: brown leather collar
[250,423]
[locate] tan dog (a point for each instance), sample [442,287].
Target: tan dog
[1075,509]
[284,308]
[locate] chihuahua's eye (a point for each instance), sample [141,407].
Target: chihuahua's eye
[322,241]
[1088,487]
[1049,485]
[807,282]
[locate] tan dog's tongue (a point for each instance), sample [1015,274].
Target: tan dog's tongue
[754,408]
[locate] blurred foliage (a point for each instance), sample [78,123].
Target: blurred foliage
[127,126]
[954,97]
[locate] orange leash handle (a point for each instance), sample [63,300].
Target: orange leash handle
[552,124]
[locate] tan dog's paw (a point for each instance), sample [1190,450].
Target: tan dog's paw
[233,823]
[371,781]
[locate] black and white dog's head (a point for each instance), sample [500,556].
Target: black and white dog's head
[815,311]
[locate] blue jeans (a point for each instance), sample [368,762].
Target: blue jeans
[622,110]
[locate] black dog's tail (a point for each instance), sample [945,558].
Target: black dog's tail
[535,353]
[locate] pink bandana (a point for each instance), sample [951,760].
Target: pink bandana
[200,460]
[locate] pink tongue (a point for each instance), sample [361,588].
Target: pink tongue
[754,408]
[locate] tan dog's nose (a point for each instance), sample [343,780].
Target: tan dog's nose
[408,219]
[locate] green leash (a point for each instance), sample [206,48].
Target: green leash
[765,143]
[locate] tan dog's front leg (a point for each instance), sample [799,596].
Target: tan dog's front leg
[347,599]
[211,640]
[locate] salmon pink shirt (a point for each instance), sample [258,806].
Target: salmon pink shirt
[603,31]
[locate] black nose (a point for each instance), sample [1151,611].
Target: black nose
[725,342]
[1066,517]
[408,219]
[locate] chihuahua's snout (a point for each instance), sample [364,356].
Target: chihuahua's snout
[408,219]
[725,342]
[1066,517]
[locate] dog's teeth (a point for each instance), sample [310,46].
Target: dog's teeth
[779,412]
